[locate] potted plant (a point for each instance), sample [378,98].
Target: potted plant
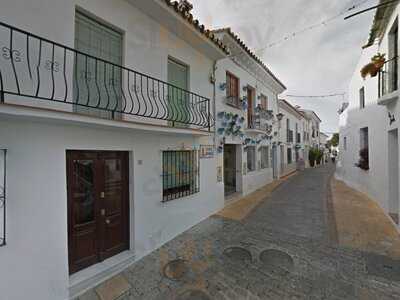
[363,161]
[312,156]
[376,64]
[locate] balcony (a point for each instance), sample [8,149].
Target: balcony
[258,121]
[388,82]
[38,72]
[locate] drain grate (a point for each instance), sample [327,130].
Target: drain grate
[193,295]
[238,254]
[175,269]
[276,261]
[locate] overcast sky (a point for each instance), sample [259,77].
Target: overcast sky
[320,61]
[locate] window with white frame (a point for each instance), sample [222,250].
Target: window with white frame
[180,174]
[251,159]
[264,152]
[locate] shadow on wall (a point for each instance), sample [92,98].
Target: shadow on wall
[363,151]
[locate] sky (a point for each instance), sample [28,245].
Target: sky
[316,62]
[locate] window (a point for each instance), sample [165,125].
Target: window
[345,143]
[362,98]
[289,156]
[251,158]
[232,89]
[180,174]
[264,157]
[364,151]
[264,101]
[178,76]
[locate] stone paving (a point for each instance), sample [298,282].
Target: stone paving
[297,222]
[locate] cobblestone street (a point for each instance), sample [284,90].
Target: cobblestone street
[287,248]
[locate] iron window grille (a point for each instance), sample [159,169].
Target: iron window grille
[181,174]
[3,169]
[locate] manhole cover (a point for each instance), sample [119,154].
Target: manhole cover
[238,254]
[175,269]
[275,260]
[193,295]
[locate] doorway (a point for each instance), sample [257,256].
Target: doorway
[251,106]
[282,159]
[230,181]
[393,167]
[274,162]
[98,206]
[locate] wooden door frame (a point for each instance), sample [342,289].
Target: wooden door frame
[97,155]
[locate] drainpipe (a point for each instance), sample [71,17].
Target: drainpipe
[214,103]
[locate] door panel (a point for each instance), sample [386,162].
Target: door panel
[250,108]
[98,206]
[114,203]
[230,169]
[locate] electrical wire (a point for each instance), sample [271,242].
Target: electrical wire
[316,96]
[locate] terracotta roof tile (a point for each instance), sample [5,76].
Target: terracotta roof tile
[196,24]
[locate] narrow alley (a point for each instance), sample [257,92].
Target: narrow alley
[287,248]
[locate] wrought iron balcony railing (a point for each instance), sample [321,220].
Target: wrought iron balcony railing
[37,68]
[388,77]
[258,119]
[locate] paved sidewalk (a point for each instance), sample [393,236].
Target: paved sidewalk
[362,224]
[284,249]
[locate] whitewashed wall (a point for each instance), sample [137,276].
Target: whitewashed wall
[254,180]
[37,200]
[374,181]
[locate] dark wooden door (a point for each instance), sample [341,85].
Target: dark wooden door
[98,206]
[250,108]
[229,169]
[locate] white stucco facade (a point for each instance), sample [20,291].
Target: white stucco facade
[36,254]
[379,113]
[252,74]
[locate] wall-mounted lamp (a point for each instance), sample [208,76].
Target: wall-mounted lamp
[245,88]
[222,86]
[391,117]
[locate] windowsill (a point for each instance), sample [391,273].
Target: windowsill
[388,98]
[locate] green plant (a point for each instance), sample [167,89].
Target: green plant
[363,162]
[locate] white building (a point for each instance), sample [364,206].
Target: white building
[369,146]
[323,145]
[313,127]
[247,127]
[104,107]
[292,147]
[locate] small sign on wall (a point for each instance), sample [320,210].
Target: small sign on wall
[206,151]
